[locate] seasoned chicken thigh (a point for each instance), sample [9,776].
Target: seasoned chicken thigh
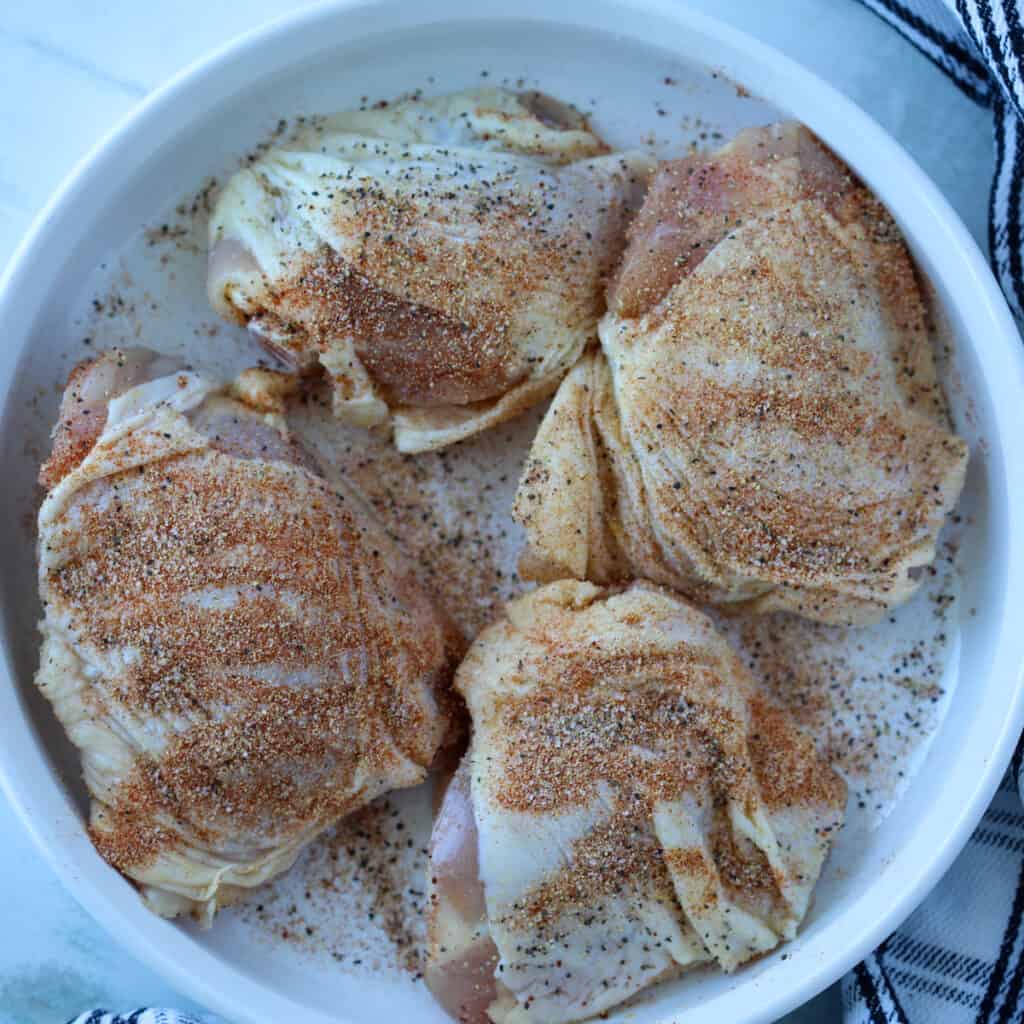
[441,259]
[239,653]
[630,805]
[763,423]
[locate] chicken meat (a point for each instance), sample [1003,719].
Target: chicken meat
[763,423]
[631,805]
[238,652]
[441,259]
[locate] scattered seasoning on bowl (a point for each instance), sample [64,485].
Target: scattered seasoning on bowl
[356,895]
[448,510]
[872,697]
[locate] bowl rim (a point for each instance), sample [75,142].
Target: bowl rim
[42,804]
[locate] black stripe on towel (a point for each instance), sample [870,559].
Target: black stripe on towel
[995,983]
[948,53]
[867,988]
[897,1009]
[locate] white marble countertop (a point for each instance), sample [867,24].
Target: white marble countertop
[69,69]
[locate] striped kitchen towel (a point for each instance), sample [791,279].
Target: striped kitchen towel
[145,1015]
[980,45]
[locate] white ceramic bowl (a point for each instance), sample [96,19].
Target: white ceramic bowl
[315,60]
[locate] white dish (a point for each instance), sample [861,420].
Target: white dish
[617,53]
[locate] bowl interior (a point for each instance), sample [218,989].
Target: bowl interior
[667,76]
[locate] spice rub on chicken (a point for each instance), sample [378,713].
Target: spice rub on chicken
[441,259]
[631,804]
[239,653]
[763,423]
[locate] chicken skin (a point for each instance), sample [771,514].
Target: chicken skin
[240,655]
[763,423]
[631,805]
[441,259]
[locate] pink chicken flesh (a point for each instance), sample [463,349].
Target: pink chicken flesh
[231,427]
[464,985]
[694,203]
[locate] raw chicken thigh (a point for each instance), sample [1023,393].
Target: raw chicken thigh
[763,422]
[441,259]
[630,805]
[237,651]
